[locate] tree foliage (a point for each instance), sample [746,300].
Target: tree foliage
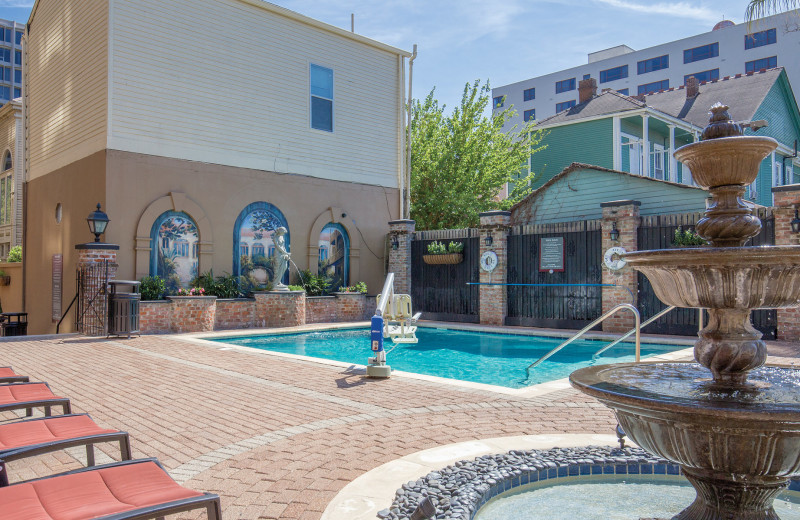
[761,8]
[461,162]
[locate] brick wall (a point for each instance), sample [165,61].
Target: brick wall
[321,309]
[350,307]
[192,313]
[400,258]
[155,316]
[280,309]
[625,214]
[787,199]
[234,314]
[493,298]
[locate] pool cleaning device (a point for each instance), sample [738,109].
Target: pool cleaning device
[376,366]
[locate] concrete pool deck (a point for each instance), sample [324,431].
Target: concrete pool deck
[277,437]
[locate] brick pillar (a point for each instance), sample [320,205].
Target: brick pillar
[493,298]
[787,198]
[193,313]
[280,308]
[400,258]
[94,293]
[625,213]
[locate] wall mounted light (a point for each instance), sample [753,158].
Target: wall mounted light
[614,234]
[489,240]
[97,222]
[395,243]
[795,222]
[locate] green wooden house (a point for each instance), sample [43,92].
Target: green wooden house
[639,134]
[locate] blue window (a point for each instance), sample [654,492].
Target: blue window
[18,57]
[763,63]
[653,64]
[768,37]
[613,74]
[565,85]
[5,55]
[703,52]
[587,76]
[6,74]
[321,80]
[623,91]
[498,102]
[565,105]
[8,35]
[18,37]
[529,114]
[5,93]
[706,75]
[17,92]
[654,87]
[18,76]
[528,94]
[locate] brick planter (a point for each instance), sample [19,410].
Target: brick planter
[155,316]
[280,309]
[238,313]
[192,313]
[350,306]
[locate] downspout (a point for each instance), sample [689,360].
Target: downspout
[24,42]
[407,187]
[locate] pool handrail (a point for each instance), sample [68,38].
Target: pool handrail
[586,329]
[628,334]
[386,295]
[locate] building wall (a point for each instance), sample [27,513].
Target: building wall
[234,90]
[731,60]
[589,142]
[66,83]
[11,141]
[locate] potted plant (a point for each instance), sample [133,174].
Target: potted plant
[438,253]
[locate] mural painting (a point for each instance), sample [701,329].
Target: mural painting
[253,236]
[177,241]
[333,255]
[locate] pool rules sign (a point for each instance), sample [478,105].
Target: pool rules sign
[551,254]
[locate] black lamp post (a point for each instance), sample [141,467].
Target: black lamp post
[614,234]
[795,222]
[98,221]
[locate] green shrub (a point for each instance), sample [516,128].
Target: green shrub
[314,284]
[225,286]
[687,238]
[455,247]
[15,254]
[359,287]
[296,288]
[152,288]
[438,248]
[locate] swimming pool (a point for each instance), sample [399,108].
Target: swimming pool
[479,357]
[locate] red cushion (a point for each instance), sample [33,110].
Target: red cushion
[28,433]
[7,372]
[91,494]
[24,392]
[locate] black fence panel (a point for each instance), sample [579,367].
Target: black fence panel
[658,232]
[558,301]
[440,291]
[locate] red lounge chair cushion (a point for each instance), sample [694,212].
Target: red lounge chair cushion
[16,435]
[92,494]
[24,392]
[7,372]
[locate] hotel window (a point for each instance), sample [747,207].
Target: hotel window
[613,74]
[7,74]
[565,85]
[18,38]
[18,76]
[654,87]
[18,57]
[5,55]
[623,91]
[706,75]
[560,107]
[528,94]
[8,34]
[703,52]
[587,76]
[498,102]
[653,64]
[529,114]
[5,93]
[768,37]
[17,92]
[321,80]
[763,63]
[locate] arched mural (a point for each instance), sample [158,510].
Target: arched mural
[334,254]
[252,241]
[173,249]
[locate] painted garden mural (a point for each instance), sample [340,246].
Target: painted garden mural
[333,255]
[176,259]
[253,239]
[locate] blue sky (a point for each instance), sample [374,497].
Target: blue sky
[463,40]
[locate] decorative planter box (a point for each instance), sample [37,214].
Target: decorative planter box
[449,258]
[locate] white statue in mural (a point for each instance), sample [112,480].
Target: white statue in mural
[280,259]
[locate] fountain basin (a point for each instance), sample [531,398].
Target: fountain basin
[724,162]
[739,445]
[723,278]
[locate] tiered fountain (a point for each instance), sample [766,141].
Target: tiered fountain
[735,434]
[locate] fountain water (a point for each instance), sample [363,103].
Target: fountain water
[735,434]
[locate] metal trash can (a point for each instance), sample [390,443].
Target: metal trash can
[123,308]
[14,323]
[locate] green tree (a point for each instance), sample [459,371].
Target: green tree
[461,162]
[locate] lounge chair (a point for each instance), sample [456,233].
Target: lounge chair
[32,437]
[27,396]
[7,375]
[129,490]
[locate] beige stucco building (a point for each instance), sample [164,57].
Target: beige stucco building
[123,107]
[10,176]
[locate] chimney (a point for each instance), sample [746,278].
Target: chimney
[692,87]
[587,89]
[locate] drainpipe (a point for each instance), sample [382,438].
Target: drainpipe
[24,179]
[407,187]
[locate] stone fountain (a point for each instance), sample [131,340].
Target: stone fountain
[736,430]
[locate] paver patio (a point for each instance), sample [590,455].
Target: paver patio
[276,438]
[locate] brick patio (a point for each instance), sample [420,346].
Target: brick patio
[276,438]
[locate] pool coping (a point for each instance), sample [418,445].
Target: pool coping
[536,390]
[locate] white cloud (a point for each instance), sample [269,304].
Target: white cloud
[20,4]
[678,9]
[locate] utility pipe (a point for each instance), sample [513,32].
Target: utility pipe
[407,187]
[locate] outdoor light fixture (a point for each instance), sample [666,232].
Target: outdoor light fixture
[489,240]
[614,234]
[97,222]
[424,510]
[395,243]
[796,222]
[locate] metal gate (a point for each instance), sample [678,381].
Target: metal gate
[440,291]
[658,232]
[91,316]
[557,301]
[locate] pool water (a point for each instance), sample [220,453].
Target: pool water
[479,357]
[607,498]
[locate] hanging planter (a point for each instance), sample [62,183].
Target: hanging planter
[448,258]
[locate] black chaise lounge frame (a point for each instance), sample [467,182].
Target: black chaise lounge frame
[12,454]
[13,379]
[47,404]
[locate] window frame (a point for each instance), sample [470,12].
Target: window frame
[689,54]
[623,73]
[527,115]
[526,92]
[686,77]
[311,97]
[565,85]
[751,42]
[644,64]
[660,83]
[569,104]
[756,69]
[498,101]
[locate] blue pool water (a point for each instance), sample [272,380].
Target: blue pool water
[494,359]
